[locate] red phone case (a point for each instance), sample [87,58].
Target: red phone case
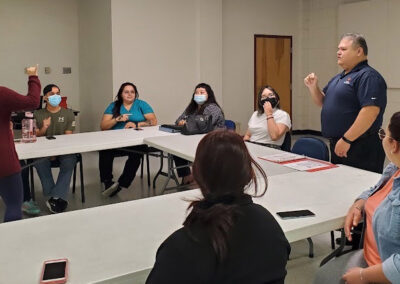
[58,280]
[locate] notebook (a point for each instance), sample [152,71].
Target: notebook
[171,128]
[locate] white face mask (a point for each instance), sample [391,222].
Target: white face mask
[200,99]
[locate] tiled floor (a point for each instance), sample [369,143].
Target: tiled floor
[300,267]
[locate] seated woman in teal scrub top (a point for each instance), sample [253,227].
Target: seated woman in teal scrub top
[127,111]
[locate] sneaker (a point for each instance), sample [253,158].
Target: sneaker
[30,207]
[119,188]
[56,205]
[110,188]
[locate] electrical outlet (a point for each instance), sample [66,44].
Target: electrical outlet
[47,70]
[67,70]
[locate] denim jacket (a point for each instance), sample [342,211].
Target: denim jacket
[386,224]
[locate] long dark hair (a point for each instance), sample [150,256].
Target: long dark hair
[260,107]
[222,185]
[118,98]
[394,126]
[192,107]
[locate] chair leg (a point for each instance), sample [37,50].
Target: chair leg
[141,166]
[74,180]
[82,183]
[32,182]
[311,248]
[333,239]
[148,169]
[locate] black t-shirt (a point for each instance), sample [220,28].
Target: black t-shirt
[346,94]
[257,253]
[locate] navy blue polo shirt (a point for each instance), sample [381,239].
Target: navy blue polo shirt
[346,94]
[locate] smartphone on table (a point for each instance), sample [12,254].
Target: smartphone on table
[54,271]
[295,214]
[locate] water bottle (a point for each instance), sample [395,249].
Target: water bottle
[28,128]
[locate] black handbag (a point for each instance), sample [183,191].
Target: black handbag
[197,124]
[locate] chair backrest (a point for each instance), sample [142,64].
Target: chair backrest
[311,147]
[230,124]
[287,142]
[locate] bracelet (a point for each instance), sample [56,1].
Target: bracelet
[269,117]
[361,276]
[347,140]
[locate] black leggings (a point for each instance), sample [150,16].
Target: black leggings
[106,159]
[11,192]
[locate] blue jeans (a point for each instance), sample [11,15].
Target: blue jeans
[61,187]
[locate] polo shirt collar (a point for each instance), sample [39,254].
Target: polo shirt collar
[356,68]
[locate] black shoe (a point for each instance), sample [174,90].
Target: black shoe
[109,188]
[56,205]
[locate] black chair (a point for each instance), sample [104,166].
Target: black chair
[287,142]
[314,148]
[56,164]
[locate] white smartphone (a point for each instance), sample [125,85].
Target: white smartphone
[55,271]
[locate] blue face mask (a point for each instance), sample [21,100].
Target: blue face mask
[200,99]
[54,100]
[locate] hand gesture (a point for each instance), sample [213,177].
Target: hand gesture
[268,108]
[181,122]
[46,122]
[122,118]
[353,217]
[32,71]
[311,81]
[130,125]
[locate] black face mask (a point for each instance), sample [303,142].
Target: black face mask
[273,102]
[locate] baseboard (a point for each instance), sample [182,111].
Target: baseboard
[306,132]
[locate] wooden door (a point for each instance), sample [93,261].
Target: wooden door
[273,66]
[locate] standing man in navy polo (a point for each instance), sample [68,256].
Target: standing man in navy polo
[353,103]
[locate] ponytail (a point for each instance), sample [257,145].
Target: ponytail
[222,185]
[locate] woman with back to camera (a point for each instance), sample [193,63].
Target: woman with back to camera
[203,102]
[379,259]
[226,238]
[127,111]
[269,124]
[10,170]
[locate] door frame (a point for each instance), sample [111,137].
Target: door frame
[291,68]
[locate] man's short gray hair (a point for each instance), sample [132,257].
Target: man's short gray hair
[358,41]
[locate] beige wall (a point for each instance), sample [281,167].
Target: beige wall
[241,20]
[382,38]
[95,61]
[319,45]
[44,32]
[166,48]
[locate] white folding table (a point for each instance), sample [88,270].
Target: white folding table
[184,146]
[109,241]
[86,142]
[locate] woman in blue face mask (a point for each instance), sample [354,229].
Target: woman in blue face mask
[269,124]
[203,102]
